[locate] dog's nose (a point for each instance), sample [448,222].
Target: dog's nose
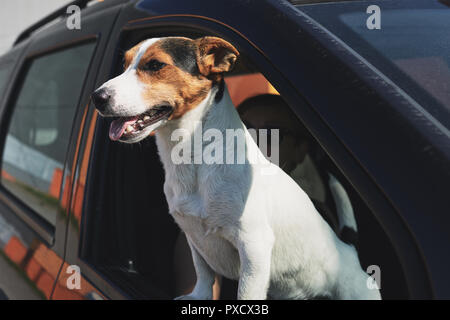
[101,98]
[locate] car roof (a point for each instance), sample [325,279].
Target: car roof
[87,6]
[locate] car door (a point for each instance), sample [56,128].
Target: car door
[41,114]
[127,242]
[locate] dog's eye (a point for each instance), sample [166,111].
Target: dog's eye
[153,65]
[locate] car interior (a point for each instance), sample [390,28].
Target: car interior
[128,235]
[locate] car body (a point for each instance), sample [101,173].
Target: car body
[387,139]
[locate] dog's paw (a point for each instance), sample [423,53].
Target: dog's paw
[188,297]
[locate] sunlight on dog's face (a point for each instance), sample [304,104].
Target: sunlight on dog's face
[163,79]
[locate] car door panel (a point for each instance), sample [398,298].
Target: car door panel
[34,253]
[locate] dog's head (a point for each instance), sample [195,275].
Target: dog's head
[163,79]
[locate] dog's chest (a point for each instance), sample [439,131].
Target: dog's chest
[187,207]
[218,253]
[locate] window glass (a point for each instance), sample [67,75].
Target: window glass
[40,126]
[411,47]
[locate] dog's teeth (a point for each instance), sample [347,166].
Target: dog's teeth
[146,118]
[141,125]
[129,128]
[139,121]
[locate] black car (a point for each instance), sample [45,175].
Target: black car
[371,103]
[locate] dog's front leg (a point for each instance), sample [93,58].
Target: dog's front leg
[255,253]
[203,289]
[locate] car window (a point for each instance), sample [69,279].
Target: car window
[40,125]
[411,47]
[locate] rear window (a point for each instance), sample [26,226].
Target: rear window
[39,129]
[411,48]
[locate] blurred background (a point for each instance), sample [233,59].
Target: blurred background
[17,15]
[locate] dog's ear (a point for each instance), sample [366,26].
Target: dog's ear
[215,56]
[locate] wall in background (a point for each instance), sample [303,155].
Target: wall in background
[17,15]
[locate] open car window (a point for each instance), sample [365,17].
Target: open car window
[129,235]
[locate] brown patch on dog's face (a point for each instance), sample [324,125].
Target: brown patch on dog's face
[130,55]
[180,72]
[166,83]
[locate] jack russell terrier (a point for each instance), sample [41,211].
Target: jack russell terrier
[260,229]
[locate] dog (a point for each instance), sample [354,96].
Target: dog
[260,229]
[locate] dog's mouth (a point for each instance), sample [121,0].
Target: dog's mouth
[125,128]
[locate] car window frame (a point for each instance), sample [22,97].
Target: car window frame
[6,63]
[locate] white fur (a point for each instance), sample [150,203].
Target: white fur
[343,204]
[260,229]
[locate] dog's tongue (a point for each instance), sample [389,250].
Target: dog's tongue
[118,127]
